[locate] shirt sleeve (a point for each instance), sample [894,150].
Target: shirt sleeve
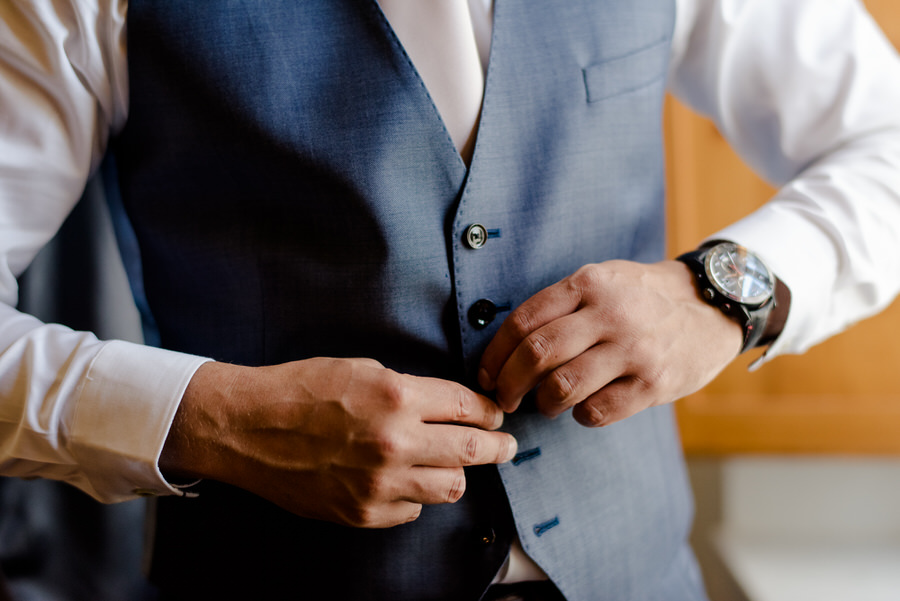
[74,408]
[807,93]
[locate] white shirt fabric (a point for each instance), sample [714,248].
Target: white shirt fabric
[447,50]
[806,91]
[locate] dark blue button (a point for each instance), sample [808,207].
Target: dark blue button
[482,313]
[488,537]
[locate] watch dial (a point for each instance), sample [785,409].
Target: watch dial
[739,274]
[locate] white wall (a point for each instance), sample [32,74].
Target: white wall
[796,528]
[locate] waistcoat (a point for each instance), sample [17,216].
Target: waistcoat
[295,194]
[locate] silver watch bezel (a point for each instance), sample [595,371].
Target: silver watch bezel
[747,257]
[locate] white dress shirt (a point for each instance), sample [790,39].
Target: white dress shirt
[806,91]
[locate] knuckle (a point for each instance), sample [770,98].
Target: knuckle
[366,516]
[414,515]
[522,322]
[538,349]
[395,391]
[361,513]
[370,487]
[576,285]
[463,408]
[471,448]
[583,274]
[561,386]
[614,405]
[649,374]
[587,277]
[384,448]
[369,362]
[651,380]
[626,399]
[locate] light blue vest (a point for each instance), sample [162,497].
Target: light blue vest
[295,194]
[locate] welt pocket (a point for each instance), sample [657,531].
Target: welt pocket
[626,73]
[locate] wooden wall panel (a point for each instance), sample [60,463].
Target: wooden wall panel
[843,396]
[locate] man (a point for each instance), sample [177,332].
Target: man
[380,274]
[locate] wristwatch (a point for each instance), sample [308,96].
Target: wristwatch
[736,281]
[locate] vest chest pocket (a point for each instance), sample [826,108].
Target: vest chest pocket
[627,73]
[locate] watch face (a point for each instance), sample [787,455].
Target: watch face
[738,274]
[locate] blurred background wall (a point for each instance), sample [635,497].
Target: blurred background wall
[795,466]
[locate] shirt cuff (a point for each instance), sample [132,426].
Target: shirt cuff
[122,417]
[804,258]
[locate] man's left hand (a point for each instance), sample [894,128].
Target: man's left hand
[610,340]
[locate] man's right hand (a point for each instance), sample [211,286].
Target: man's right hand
[343,440]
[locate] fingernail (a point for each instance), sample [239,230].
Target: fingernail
[499,421]
[508,406]
[513,448]
[484,380]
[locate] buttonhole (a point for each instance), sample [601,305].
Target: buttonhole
[540,529]
[526,455]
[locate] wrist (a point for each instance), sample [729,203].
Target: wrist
[739,283]
[195,443]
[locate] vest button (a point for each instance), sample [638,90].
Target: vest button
[488,537]
[482,313]
[476,235]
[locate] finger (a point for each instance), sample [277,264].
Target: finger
[443,401]
[446,445]
[555,344]
[368,362]
[547,305]
[434,485]
[614,402]
[575,381]
[385,515]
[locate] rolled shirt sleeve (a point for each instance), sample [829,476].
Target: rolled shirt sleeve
[808,94]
